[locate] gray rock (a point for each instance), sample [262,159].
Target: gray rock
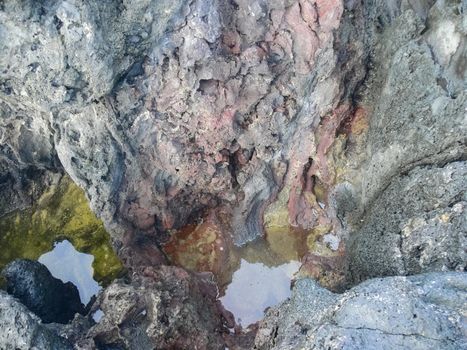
[20,329]
[419,312]
[418,224]
[46,296]
[417,102]
[404,206]
[162,110]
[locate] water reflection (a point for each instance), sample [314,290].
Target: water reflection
[97,315]
[255,287]
[67,264]
[250,278]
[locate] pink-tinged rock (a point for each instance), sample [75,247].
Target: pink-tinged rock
[308,13]
[330,13]
[232,42]
[304,210]
[305,39]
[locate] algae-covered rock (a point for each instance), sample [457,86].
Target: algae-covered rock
[61,213]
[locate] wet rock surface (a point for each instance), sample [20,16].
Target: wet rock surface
[231,108]
[61,213]
[20,329]
[48,297]
[418,312]
[197,105]
[340,122]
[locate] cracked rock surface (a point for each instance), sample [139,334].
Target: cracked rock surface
[417,225]
[162,110]
[404,205]
[166,308]
[418,312]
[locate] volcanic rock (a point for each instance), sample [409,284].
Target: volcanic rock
[20,329]
[418,312]
[46,296]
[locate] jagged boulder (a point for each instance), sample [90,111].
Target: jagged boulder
[20,329]
[48,297]
[162,308]
[419,312]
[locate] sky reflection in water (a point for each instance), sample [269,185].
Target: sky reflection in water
[67,264]
[255,287]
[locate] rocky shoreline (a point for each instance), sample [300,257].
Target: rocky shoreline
[195,127]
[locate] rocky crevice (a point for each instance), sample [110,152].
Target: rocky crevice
[343,121]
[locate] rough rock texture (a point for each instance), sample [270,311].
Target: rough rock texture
[418,224]
[342,120]
[425,311]
[161,110]
[164,110]
[402,195]
[164,308]
[46,296]
[20,329]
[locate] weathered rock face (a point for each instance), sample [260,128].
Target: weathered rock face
[418,312]
[343,121]
[161,109]
[21,329]
[402,187]
[48,297]
[417,225]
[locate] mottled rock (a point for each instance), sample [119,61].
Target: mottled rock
[418,312]
[20,329]
[46,296]
[343,120]
[163,110]
[164,308]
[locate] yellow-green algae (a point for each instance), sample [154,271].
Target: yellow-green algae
[61,213]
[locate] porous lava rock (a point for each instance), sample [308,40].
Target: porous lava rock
[48,297]
[343,120]
[163,308]
[417,312]
[162,110]
[168,111]
[20,329]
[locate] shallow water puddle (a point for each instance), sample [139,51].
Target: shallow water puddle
[97,315]
[250,278]
[255,287]
[62,213]
[67,264]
